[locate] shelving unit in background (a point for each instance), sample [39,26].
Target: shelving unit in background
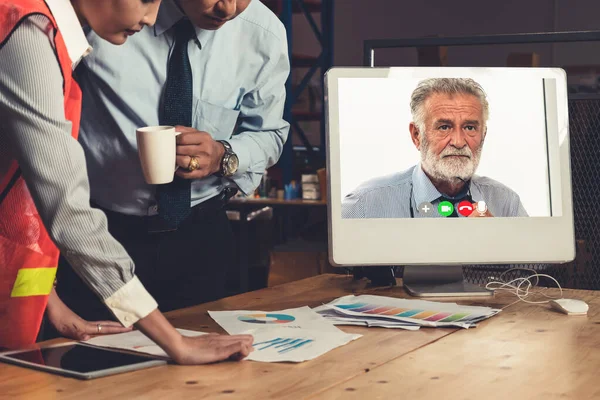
[313,64]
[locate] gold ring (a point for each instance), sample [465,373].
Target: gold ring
[194,164]
[99,328]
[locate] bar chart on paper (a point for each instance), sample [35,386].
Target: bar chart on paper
[388,311]
[282,345]
[295,345]
[418,313]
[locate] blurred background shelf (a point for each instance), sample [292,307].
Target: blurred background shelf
[304,108]
[307,115]
[303,60]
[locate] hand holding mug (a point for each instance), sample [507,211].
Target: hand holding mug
[198,154]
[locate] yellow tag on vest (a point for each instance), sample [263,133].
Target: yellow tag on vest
[34,282]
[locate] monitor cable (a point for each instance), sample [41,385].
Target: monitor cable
[524,287]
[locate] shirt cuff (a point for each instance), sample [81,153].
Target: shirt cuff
[243,154]
[131,302]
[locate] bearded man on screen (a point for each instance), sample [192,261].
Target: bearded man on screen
[449,125]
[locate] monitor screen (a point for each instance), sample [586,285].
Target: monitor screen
[426,164]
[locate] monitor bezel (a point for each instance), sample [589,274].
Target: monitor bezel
[383,241]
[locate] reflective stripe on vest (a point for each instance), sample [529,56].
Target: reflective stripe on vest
[34,282]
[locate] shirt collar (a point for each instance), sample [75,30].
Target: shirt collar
[71,30]
[476,194]
[425,191]
[169,14]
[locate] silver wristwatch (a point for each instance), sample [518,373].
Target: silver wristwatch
[230,161]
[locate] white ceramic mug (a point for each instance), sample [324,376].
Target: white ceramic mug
[157,152]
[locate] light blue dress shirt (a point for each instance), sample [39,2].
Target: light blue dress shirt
[393,196]
[239,74]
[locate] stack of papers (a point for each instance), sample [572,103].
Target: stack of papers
[301,334]
[389,312]
[293,335]
[330,314]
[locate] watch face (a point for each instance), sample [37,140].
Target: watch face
[232,165]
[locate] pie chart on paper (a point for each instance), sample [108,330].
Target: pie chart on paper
[266,318]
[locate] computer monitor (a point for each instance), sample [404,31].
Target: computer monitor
[433,168]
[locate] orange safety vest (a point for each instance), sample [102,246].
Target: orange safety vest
[28,257]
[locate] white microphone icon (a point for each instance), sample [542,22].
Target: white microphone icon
[481,207]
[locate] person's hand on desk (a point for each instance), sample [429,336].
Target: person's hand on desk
[72,326]
[212,347]
[205,151]
[203,349]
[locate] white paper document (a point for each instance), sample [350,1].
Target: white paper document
[336,318]
[135,341]
[295,345]
[389,311]
[235,322]
[292,335]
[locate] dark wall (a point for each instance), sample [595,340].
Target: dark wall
[357,20]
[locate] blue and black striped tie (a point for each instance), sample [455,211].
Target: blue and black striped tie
[174,198]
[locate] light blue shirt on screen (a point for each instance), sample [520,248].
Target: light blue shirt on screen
[393,196]
[239,74]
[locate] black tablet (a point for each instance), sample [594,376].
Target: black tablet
[79,360]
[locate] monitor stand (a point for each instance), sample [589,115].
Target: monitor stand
[440,281]
[379,276]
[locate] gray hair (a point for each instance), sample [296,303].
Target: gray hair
[449,86]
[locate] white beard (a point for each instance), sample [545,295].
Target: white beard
[447,168]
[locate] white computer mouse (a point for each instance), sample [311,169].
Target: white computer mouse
[570,306]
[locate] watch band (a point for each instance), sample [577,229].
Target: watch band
[226,156]
[227,146]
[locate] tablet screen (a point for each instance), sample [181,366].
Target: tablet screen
[79,358]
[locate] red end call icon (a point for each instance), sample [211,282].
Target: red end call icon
[465,208]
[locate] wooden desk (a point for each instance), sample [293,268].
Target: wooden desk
[525,352]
